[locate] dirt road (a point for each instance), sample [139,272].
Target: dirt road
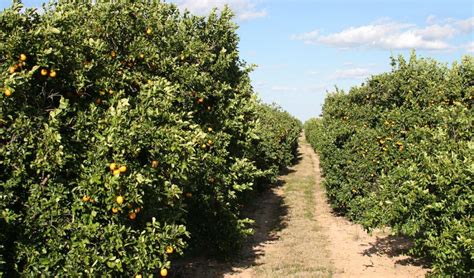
[297,235]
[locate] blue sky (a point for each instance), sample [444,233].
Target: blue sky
[304,48]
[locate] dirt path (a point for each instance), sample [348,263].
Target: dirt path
[297,235]
[355,253]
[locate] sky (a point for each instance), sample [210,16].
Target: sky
[304,49]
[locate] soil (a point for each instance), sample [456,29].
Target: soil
[298,235]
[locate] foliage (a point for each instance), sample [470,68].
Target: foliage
[125,128]
[398,151]
[278,132]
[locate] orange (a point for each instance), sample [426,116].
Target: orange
[119,200]
[149,31]
[113,54]
[210,142]
[52,74]
[8,92]
[132,215]
[164,272]
[209,129]
[189,194]
[98,101]
[23,57]
[138,276]
[203,146]
[142,56]
[115,210]
[154,164]
[113,166]
[86,198]
[44,72]
[201,100]
[123,169]
[137,210]
[169,249]
[12,69]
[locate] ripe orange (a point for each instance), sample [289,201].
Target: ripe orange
[149,31]
[209,129]
[52,74]
[23,57]
[113,54]
[137,210]
[113,166]
[154,164]
[138,276]
[209,108]
[86,198]
[169,249]
[123,169]
[115,210]
[200,101]
[98,101]
[44,72]
[119,200]
[142,56]
[203,146]
[8,92]
[12,69]
[132,215]
[164,272]
[209,142]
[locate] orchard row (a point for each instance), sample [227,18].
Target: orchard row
[130,134]
[397,151]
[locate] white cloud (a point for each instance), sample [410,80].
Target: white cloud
[470,47]
[353,73]
[284,89]
[316,88]
[467,25]
[307,37]
[386,34]
[313,72]
[244,9]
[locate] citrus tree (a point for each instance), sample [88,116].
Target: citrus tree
[398,151]
[126,129]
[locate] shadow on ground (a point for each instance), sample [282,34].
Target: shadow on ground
[394,246]
[269,212]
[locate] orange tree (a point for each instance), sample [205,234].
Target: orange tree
[125,128]
[398,151]
[278,134]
